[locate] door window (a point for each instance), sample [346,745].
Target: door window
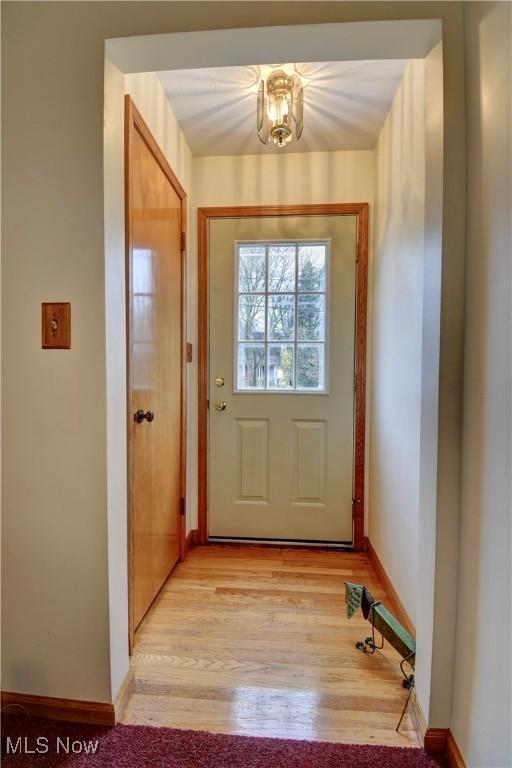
[281,316]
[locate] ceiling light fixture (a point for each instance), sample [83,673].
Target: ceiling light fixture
[280,108]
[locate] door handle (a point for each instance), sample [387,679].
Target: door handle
[220,405]
[140,415]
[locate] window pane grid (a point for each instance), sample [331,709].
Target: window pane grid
[281,328]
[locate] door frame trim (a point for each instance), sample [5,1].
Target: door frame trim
[204,215]
[134,122]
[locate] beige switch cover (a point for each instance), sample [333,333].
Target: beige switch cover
[56,325]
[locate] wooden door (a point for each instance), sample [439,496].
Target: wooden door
[282,354]
[155,299]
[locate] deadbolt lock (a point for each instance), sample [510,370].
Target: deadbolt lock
[219,381]
[220,405]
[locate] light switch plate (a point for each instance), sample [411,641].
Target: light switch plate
[56,326]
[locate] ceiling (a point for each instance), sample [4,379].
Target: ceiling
[345,105]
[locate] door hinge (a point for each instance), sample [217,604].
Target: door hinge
[183,241]
[356,379]
[207,405]
[182,506]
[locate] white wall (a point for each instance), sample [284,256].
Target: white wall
[481,716]
[115,329]
[149,97]
[396,334]
[429,564]
[414,526]
[55,598]
[292,178]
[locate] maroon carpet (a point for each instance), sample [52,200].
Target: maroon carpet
[133,746]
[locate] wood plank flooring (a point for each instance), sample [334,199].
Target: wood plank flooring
[253,640]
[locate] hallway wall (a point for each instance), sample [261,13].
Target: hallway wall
[396,333]
[55,533]
[149,97]
[482,701]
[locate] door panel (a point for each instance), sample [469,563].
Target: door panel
[155,372]
[281,463]
[252,460]
[309,465]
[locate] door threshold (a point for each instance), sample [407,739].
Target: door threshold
[339,545]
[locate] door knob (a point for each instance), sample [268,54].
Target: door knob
[140,415]
[220,405]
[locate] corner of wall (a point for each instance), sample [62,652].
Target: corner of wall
[116,373]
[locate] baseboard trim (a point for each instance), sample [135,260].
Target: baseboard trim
[192,539]
[453,753]
[435,740]
[124,694]
[397,604]
[441,741]
[72,710]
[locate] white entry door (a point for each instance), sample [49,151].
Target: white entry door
[281,418]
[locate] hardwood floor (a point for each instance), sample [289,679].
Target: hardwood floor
[255,641]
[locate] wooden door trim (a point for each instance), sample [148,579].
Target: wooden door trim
[134,122]
[204,215]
